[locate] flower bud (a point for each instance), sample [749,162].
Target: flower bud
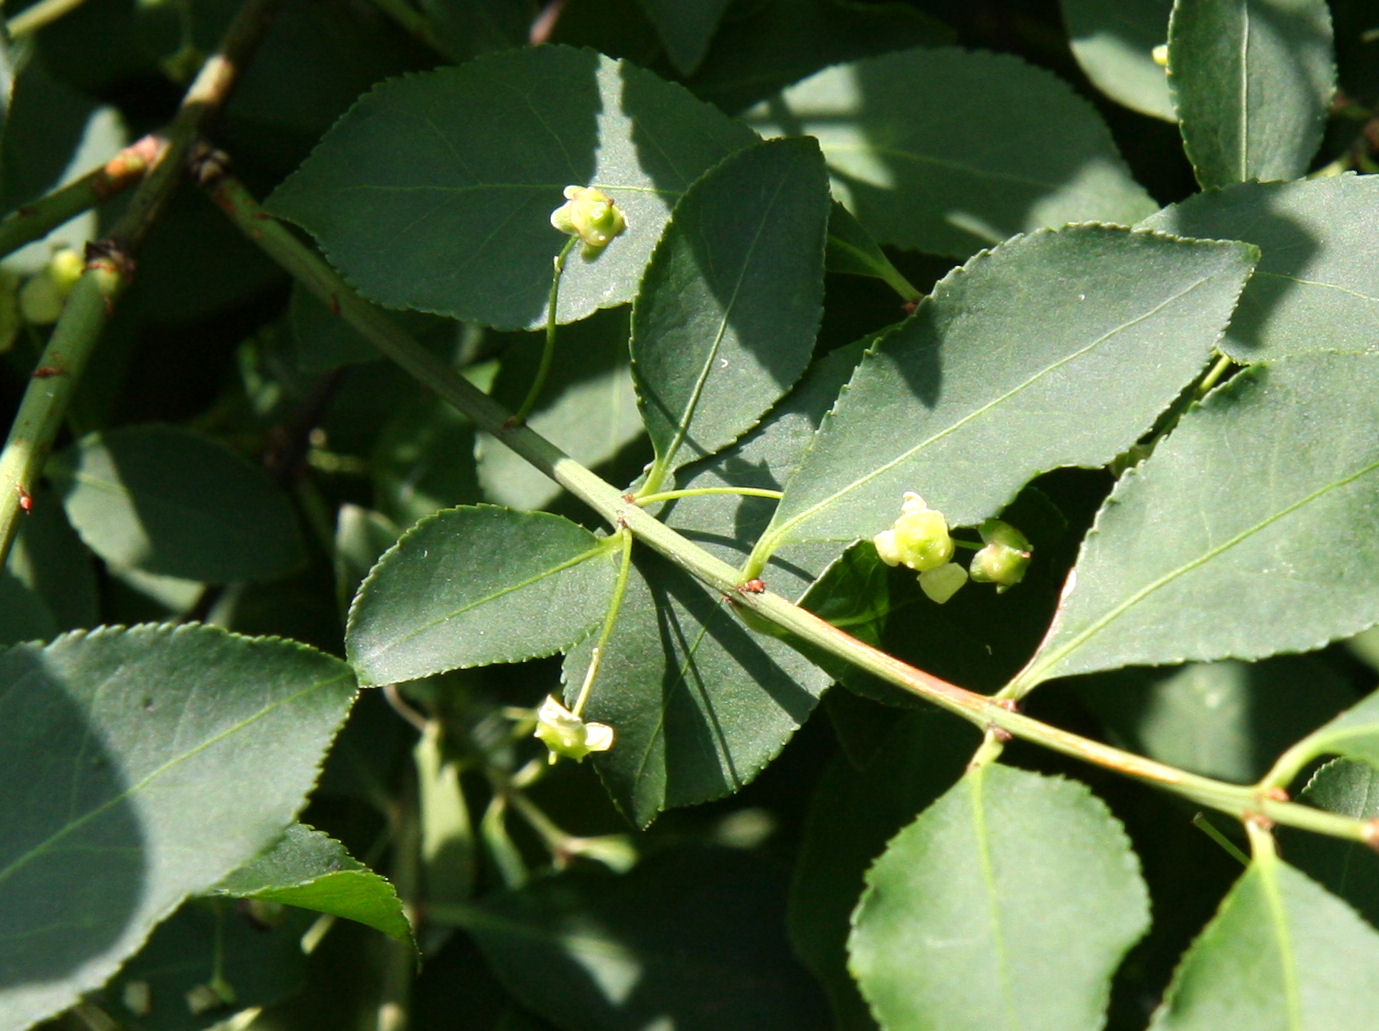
[1004,559]
[42,297]
[922,541]
[565,734]
[590,215]
[943,582]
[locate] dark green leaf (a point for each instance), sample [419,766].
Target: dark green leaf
[685,29]
[312,870]
[1345,868]
[53,573]
[853,251]
[1057,348]
[467,28]
[475,585]
[1280,953]
[1114,44]
[948,150]
[691,938]
[1353,734]
[698,703]
[726,317]
[1316,287]
[164,501]
[155,761]
[980,916]
[1251,82]
[435,191]
[852,815]
[1257,509]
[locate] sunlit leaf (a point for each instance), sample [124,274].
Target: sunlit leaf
[1280,953]
[1114,43]
[1057,348]
[726,317]
[155,761]
[476,585]
[1259,509]
[980,916]
[312,870]
[1251,83]
[1316,287]
[435,190]
[948,150]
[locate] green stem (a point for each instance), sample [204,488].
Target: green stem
[1213,375]
[413,22]
[35,16]
[610,620]
[107,273]
[697,492]
[1238,801]
[1204,825]
[37,219]
[548,347]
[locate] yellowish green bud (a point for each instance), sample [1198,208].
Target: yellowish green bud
[65,268]
[1005,557]
[886,548]
[922,540]
[1160,55]
[942,582]
[590,215]
[566,734]
[42,297]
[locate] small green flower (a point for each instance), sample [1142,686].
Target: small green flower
[566,734]
[42,297]
[918,540]
[590,215]
[1004,559]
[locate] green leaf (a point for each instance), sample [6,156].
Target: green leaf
[690,938]
[854,811]
[162,500]
[1281,953]
[909,139]
[1114,44]
[435,190]
[685,29]
[1057,348]
[980,916]
[697,702]
[853,251]
[1353,734]
[54,572]
[475,585]
[1251,82]
[726,317]
[313,871]
[1316,288]
[1257,509]
[156,760]
[588,407]
[1345,868]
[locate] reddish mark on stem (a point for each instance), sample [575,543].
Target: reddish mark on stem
[1276,794]
[26,500]
[334,305]
[754,586]
[47,371]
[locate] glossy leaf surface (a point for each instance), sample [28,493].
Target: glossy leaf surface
[312,870]
[725,321]
[979,917]
[157,760]
[1281,953]
[920,145]
[1317,285]
[1057,348]
[699,703]
[1251,82]
[435,190]
[1257,508]
[166,501]
[449,594]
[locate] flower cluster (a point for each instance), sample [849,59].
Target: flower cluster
[920,540]
[566,734]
